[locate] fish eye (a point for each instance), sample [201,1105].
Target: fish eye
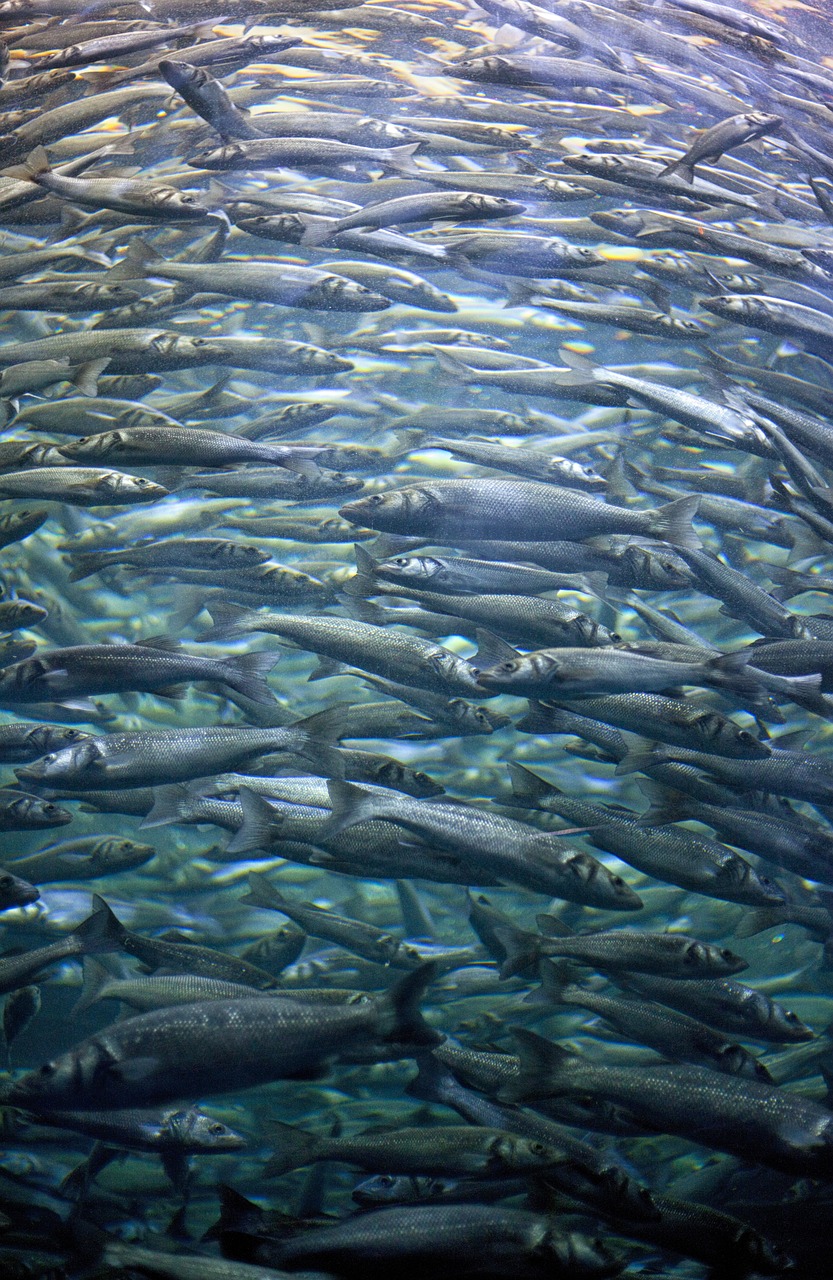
[83,439]
[216,1128]
[791,1017]
[49,808]
[48,1069]
[537,1148]
[726,953]
[385,1180]
[507,666]
[140,480]
[50,759]
[375,499]
[745,736]
[401,562]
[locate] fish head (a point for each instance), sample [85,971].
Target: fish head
[42,738]
[178,203]
[409,568]
[31,811]
[193,1130]
[598,885]
[336,293]
[123,488]
[122,855]
[94,446]
[392,1188]
[527,671]
[229,156]
[575,1255]
[702,957]
[15,892]
[60,764]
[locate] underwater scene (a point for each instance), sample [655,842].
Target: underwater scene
[416,639]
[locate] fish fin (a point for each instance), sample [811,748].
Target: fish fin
[400,1016]
[236,1214]
[758,920]
[36,164]
[229,621]
[557,985]
[85,377]
[578,363]
[136,264]
[258,827]
[317,230]
[325,668]
[350,805]
[491,650]
[166,643]
[85,564]
[262,893]
[291,1148]
[101,931]
[365,563]
[96,977]
[542,1062]
[528,788]
[400,159]
[672,522]
[431,1080]
[246,674]
[168,803]
[640,757]
[553,927]
[327,725]
[450,364]
[521,956]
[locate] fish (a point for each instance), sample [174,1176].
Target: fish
[430,411]
[142,1062]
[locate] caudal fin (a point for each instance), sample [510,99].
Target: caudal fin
[291,1148]
[258,828]
[246,674]
[350,805]
[400,1017]
[672,522]
[229,622]
[262,893]
[96,978]
[102,931]
[541,1065]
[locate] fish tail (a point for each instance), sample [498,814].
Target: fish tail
[85,564]
[672,522]
[102,931]
[246,673]
[400,1016]
[399,158]
[262,893]
[758,920]
[257,830]
[229,621]
[350,805]
[96,977]
[541,1064]
[236,1214]
[291,1148]
[37,164]
[168,805]
[431,1080]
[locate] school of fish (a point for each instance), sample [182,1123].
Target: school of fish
[416,662]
